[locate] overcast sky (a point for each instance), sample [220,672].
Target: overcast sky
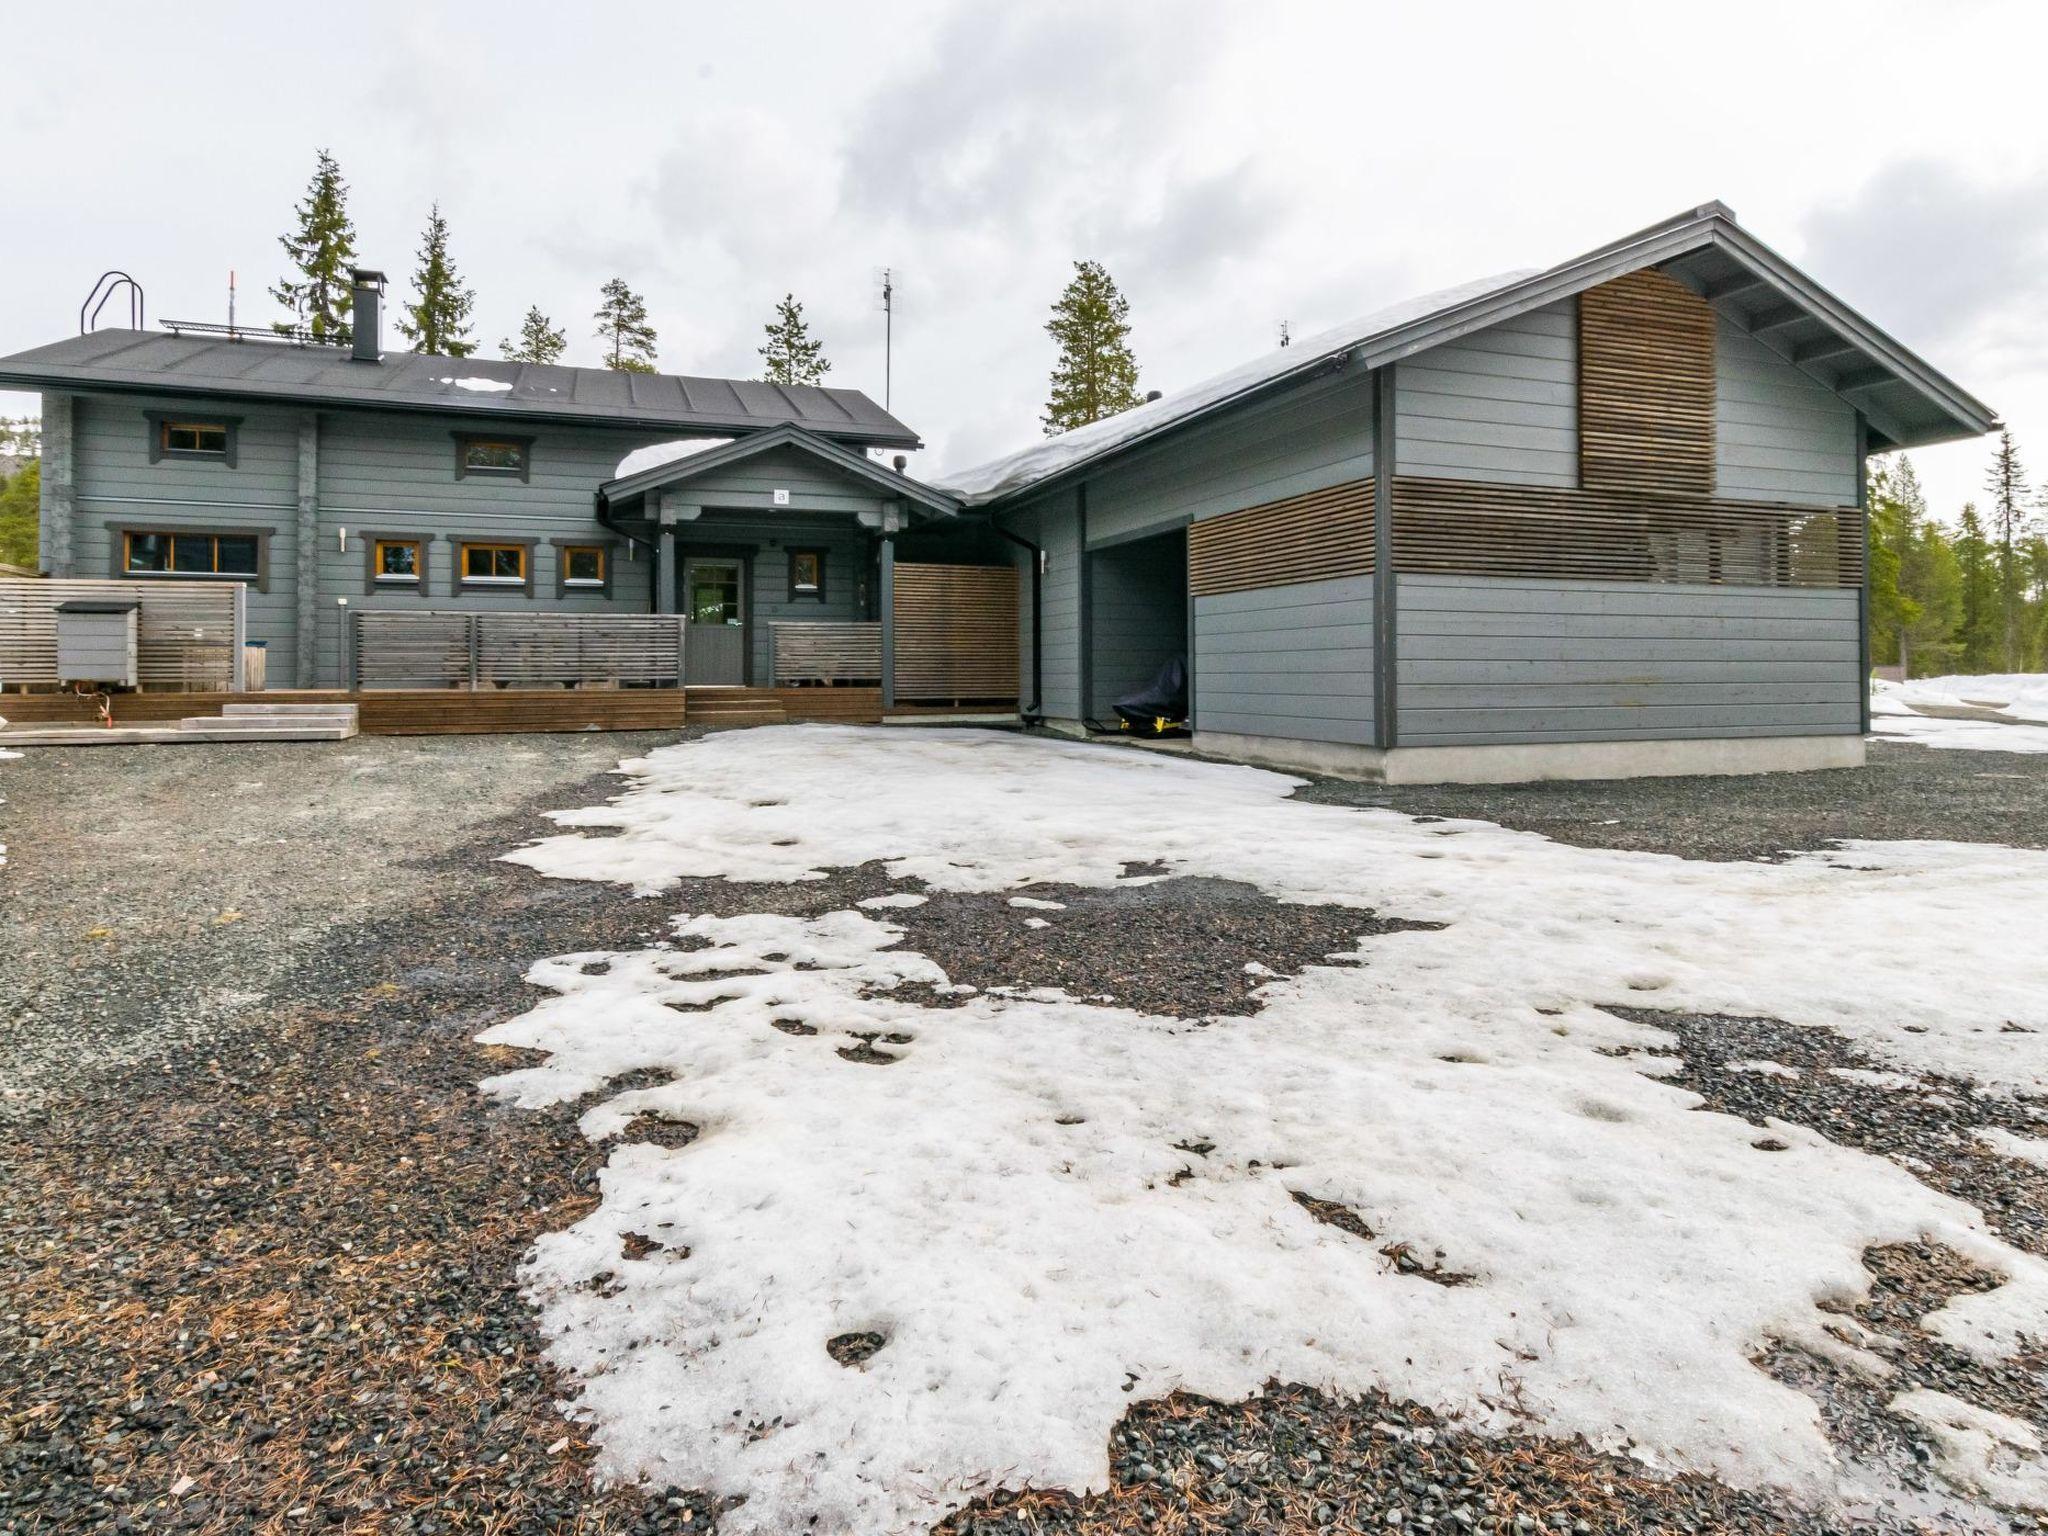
[1234,165]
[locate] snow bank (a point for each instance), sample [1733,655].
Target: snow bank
[1050,457]
[656,454]
[1010,1200]
[2023,695]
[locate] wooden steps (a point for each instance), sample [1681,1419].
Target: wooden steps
[237,722]
[724,708]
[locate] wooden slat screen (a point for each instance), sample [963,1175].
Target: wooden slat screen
[1646,386]
[1316,536]
[185,631]
[825,651]
[1471,527]
[429,648]
[956,632]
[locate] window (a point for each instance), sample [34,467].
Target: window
[807,574]
[209,437]
[583,565]
[494,564]
[500,457]
[190,554]
[397,560]
[192,437]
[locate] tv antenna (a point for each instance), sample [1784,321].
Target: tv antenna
[888,334]
[1285,338]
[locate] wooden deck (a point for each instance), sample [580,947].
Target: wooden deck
[500,711]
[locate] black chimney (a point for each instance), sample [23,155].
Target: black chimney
[366,323]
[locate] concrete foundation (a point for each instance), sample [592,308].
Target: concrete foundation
[1524,762]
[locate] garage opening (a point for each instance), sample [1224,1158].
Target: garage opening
[1138,623]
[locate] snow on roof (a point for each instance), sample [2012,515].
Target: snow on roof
[480,386]
[654,455]
[1000,477]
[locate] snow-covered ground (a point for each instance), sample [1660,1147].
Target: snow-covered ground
[1006,1201]
[1895,711]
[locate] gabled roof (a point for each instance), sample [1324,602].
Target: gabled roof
[857,466]
[1906,401]
[159,363]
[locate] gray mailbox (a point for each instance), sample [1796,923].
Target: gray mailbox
[96,640]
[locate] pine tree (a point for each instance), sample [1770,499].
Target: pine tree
[791,355]
[322,248]
[2006,482]
[539,342]
[1096,375]
[437,321]
[622,327]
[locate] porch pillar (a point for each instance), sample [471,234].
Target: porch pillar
[665,559]
[888,596]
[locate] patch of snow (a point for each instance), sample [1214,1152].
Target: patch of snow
[656,454]
[1036,922]
[2023,695]
[1990,1453]
[1052,455]
[1896,1082]
[2028,1149]
[1963,735]
[478,385]
[1038,903]
[1000,1200]
[1766,1068]
[896,899]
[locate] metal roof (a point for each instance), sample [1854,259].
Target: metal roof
[252,369]
[1906,401]
[679,471]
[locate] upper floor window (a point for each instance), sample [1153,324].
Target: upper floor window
[186,553]
[506,457]
[193,437]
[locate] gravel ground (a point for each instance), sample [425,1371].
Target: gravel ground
[1903,792]
[259,1233]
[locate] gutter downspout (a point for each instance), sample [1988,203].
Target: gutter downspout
[1034,714]
[602,510]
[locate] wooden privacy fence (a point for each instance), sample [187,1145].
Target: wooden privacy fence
[825,652]
[956,632]
[189,633]
[437,649]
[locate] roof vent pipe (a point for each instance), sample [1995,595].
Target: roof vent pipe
[1151,395]
[367,323]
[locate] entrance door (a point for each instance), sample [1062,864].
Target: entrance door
[714,604]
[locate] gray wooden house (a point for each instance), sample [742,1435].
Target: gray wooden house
[1601,519]
[336,483]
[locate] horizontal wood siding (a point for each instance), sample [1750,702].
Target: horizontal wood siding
[1055,526]
[1646,386]
[117,484]
[1316,536]
[1778,435]
[1487,660]
[1312,435]
[1500,404]
[818,650]
[1293,662]
[1139,614]
[955,632]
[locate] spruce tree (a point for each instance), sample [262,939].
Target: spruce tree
[622,327]
[437,321]
[1096,375]
[1977,600]
[20,494]
[791,355]
[322,246]
[2006,482]
[539,342]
